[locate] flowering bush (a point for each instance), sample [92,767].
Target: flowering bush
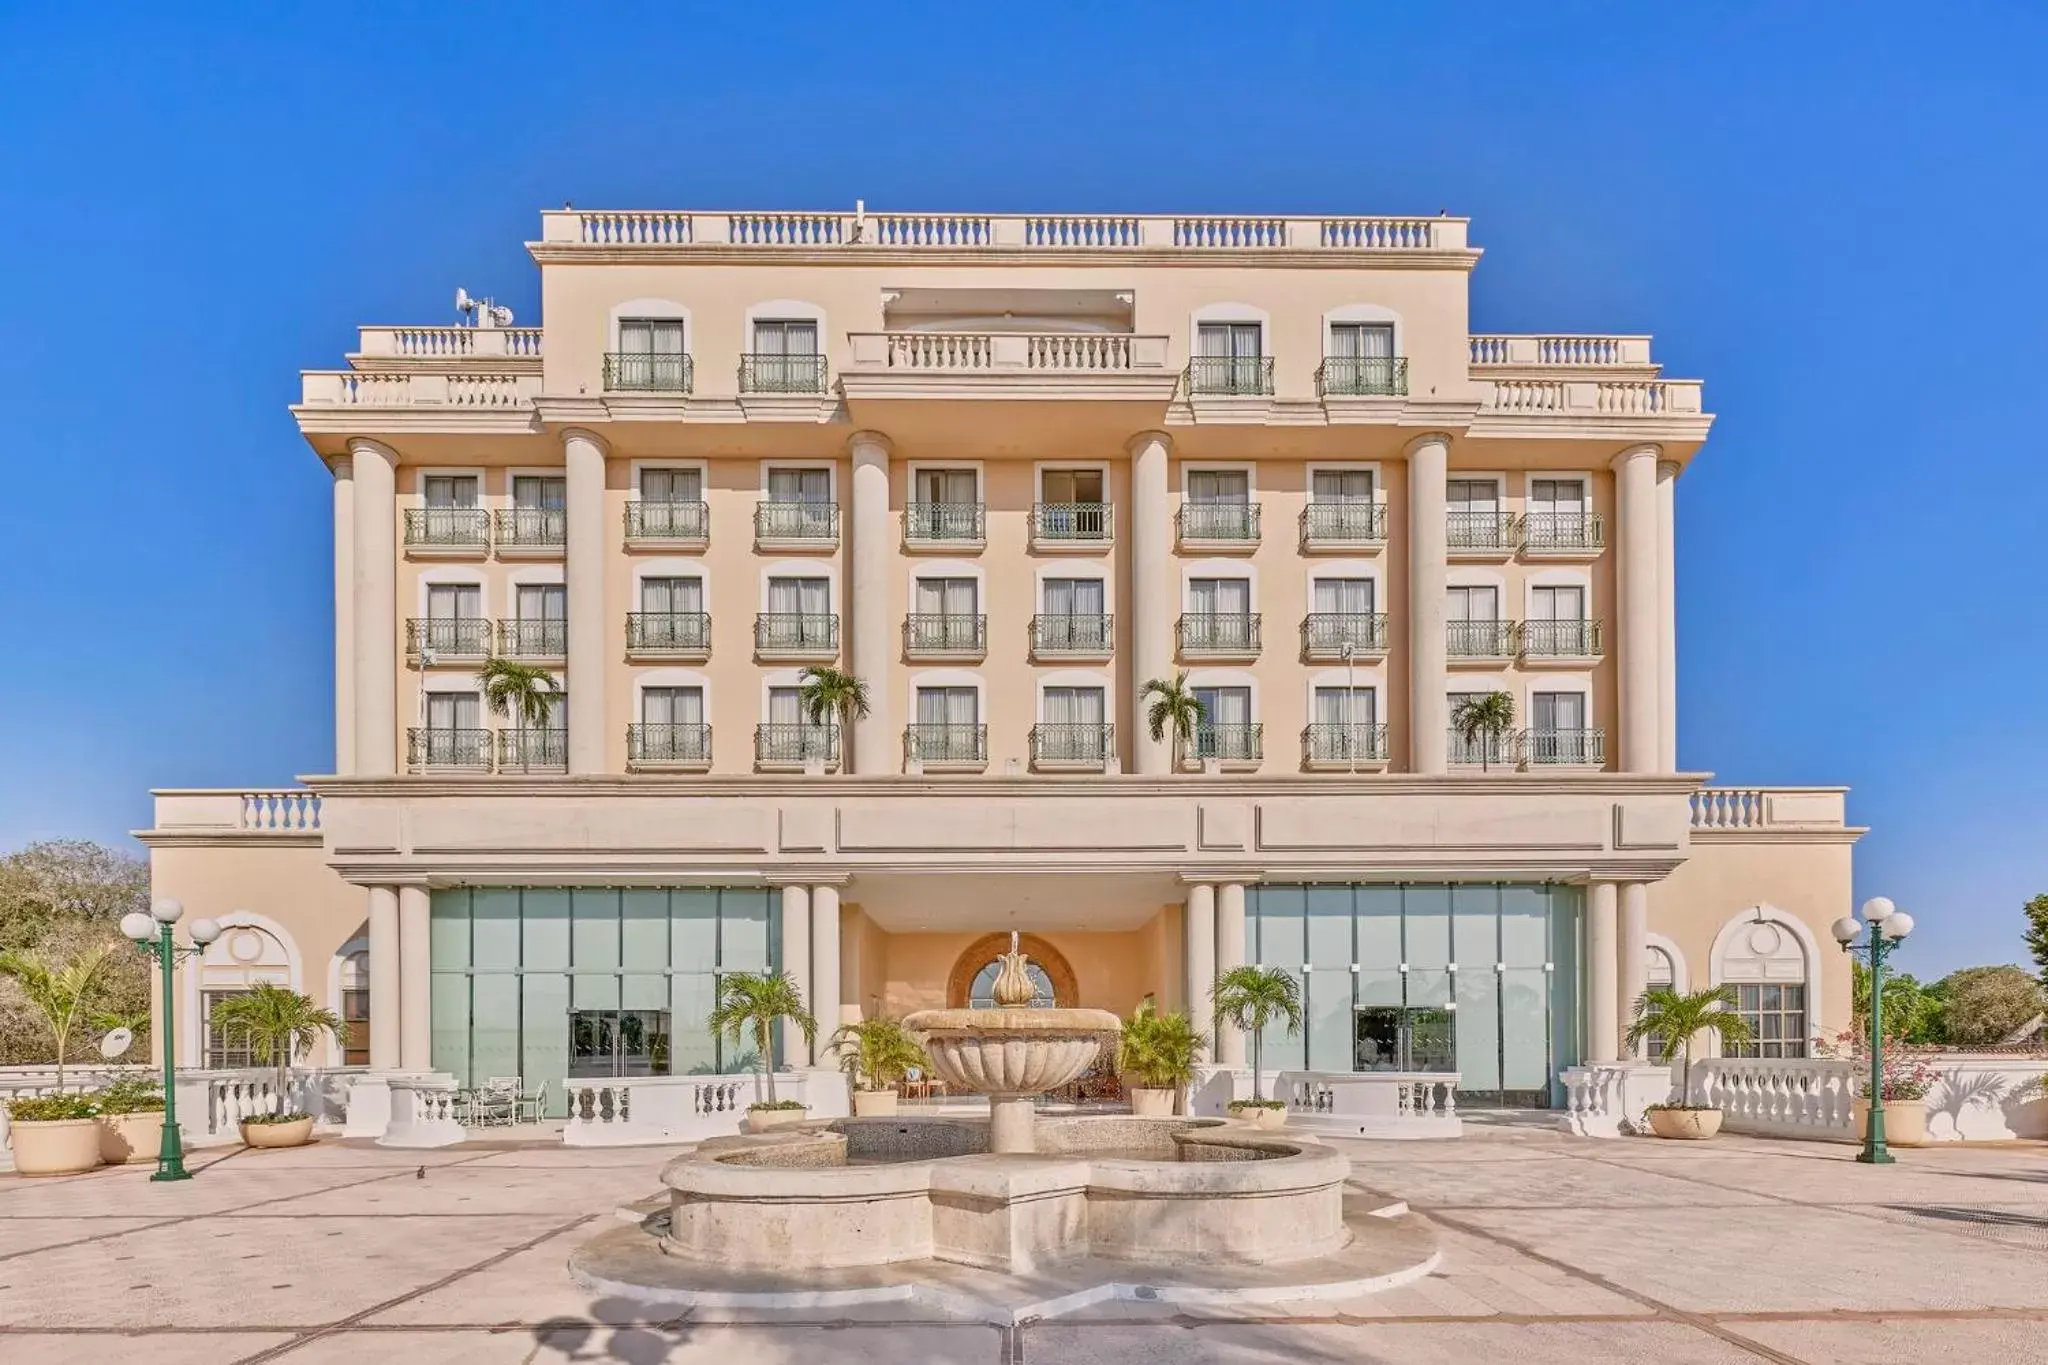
[1905,1072]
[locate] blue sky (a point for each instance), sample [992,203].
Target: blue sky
[1833,213]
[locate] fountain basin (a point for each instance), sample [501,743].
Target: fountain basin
[1011,1055]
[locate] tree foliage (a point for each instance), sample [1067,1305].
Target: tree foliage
[281,1026]
[1664,1013]
[2036,911]
[751,1003]
[1251,998]
[63,898]
[1981,1006]
[1913,1011]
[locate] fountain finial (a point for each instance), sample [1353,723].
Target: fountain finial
[1012,989]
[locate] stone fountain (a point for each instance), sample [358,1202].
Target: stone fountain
[1012,1053]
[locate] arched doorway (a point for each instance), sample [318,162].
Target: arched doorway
[974,972]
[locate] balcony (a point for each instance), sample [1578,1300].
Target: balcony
[447,751]
[1567,642]
[1073,637]
[796,526]
[945,525]
[1325,635]
[1327,526]
[1564,748]
[673,635]
[1115,367]
[668,525]
[668,748]
[1479,535]
[533,751]
[637,372]
[1484,751]
[1227,526]
[447,640]
[961,748]
[800,374]
[1227,636]
[1479,642]
[1226,746]
[1377,376]
[1081,526]
[936,638]
[1340,746]
[457,532]
[1230,376]
[797,636]
[450,345]
[532,531]
[543,638]
[1078,748]
[783,747]
[1562,535]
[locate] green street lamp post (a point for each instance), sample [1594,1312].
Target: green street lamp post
[1887,927]
[152,933]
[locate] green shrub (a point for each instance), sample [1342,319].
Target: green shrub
[131,1095]
[1239,1106]
[777,1104]
[51,1108]
[275,1118]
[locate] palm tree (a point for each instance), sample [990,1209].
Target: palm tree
[880,1051]
[827,694]
[1159,1049]
[1253,997]
[755,1000]
[1174,704]
[521,691]
[1491,714]
[60,994]
[281,1026]
[1675,1018]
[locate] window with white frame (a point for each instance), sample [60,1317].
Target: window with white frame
[1361,359]
[1227,486]
[1344,725]
[454,602]
[948,726]
[1343,596]
[672,596]
[1219,614]
[1776,1015]
[651,336]
[1226,727]
[538,491]
[1557,514]
[784,358]
[1557,626]
[672,727]
[449,490]
[1557,730]
[1072,616]
[539,623]
[800,485]
[1229,358]
[945,614]
[1472,615]
[799,614]
[1071,486]
[1766,963]
[1473,517]
[671,614]
[1341,485]
[1072,726]
[672,486]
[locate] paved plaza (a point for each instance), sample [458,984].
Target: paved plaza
[1555,1249]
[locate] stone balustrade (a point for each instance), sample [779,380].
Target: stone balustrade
[976,352]
[1608,1099]
[425,1112]
[624,1111]
[448,343]
[1980,1099]
[1593,398]
[1376,1104]
[1558,352]
[277,811]
[417,388]
[1768,808]
[211,1103]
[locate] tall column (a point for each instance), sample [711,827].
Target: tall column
[1201,956]
[583,452]
[1667,617]
[374,477]
[1229,957]
[1634,971]
[825,992]
[874,746]
[1152,591]
[796,964]
[384,978]
[1429,719]
[1635,472]
[344,615]
[1603,1033]
[415,981]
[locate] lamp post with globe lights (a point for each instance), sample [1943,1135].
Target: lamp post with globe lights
[152,933]
[1886,927]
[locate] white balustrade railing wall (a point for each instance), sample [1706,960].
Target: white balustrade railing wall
[1594,398]
[1560,352]
[1387,1104]
[1742,808]
[295,811]
[979,352]
[449,343]
[626,1110]
[1971,1098]
[955,231]
[1607,1099]
[211,1103]
[410,388]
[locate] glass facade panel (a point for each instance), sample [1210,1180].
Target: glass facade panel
[1327,1019]
[1524,1030]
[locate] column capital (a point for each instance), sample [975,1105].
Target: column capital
[341,466]
[1145,437]
[1442,438]
[1651,451]
[361,446]
[1667,470]
[869,437]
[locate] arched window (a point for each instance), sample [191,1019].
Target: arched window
[1658,974]
[1761,955]
[242,957]
[355,1007]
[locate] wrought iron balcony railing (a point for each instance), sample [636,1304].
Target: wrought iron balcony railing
[686,522]
[793,746]
[448,750]
[1324,634]
[1565,748]
[949,523]
[447,528]
[1561,639]
[1071,523]
[1562,532]
[1343,523]
[682,746]
[761,373]
[928,634]
[522,638]
[1230,374]
[1481,531]
[1362,376]
[1336,745]
[956,744]
[1479,639]
[797,523]
[1081,745]
[447,639]
[796,633]
[1219,521]
[1229,743]
[1231,633]
[533,751]
[668,632]
[1089,635]
[640,372]
[533,528]
[1501,750]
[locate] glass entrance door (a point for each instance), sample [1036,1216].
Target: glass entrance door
[618,1043]
[1391,1038]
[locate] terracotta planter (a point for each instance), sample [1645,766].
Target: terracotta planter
[1151,1104]
[1905,1122]
[874,1104]
[55,1146]
[130,1137]
[1688,1125]
[768,1120]
[297,1133]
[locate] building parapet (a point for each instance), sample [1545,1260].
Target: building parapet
[237,811]
[1743,810]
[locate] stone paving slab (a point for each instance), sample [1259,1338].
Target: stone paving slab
[31,1348]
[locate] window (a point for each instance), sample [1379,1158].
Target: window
[1074,706]
[539,619]
[1341,485]
[799,615]
[1219,596]
[651,356]
[1554,712]
[786,707]
[1071,486]
[449,712]
[449,490]
[541,602]
[1560,496]
[1473,519]
[454,602]
[666,706]
[1361,360]
[800,596]
[1557,730]
[1346,596]
[539,491]
[1225,728]
[1073,597]
[619,1043]
[672,596]
[1558,604]
[1777,1014]
[1361,340]
[1234,339]
[1231,486]
[797,337]
[1486,748]
[948,706]
[355,1008]
[1228,358]
[651,336]
[946,596]
[800,485]
[226,1049]
[1346,706]
[948,726]
[943,486]
[1473,617]
[943,615]
[1393,1038]
[1658,974]
[671,486]
[784,359]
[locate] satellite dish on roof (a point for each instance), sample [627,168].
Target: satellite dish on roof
[116,1044]
[464,304]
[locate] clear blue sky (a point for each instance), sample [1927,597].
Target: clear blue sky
[1833,213]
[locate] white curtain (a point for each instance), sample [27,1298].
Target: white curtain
[1474,604]
[679,596]
[1225,705]
[454,601]
[1472,495]
[1219,485]
[1349,596]
[672,706]
[1558,711]
[671,485]
[1073,597]
[1341,485]
[945,597]
[799,485]
[1219,596]
[810,596]
[454,711]
[785,706]
[1557,495]
[1073,706]
[450,491]
[1558,604]
[947,706]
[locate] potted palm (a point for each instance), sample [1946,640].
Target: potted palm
[1174,706]
[876,1054]
[1482,721]
[1158,1051]
[1251,998]
[754,1002]
[130,1111]
[826,695]
[280,1025]
[55,1134]
[521,692]
[1675,1018]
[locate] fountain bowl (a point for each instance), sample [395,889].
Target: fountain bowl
[1010,1055]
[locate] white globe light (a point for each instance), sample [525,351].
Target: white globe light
[1877,908]
[1898,926]
[138,926]
[1845,929]
[166,911]
[205,931]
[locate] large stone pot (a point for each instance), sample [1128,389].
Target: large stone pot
[1905,1122]
[768,1120]
[55,1146]
[1151,1104]
[130,1137]
[874,1104]
[297,1133]
[1685,1124]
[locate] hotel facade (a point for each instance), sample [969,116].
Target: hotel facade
[1005,470]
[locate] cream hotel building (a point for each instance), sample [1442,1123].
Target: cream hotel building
[1005,469]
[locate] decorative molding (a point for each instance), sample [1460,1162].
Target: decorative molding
[1066,990]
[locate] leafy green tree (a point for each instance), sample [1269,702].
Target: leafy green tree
[1253,997]
[281,1026]
[63,881]
[879,1052]
[827,694]
[1174,706]
[1984,1005]
[2036,911]
[62,993]
[1663,1013]
[754,1002]
[521,691]
[1159,1049]
[1490,715]
[1912,1011]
